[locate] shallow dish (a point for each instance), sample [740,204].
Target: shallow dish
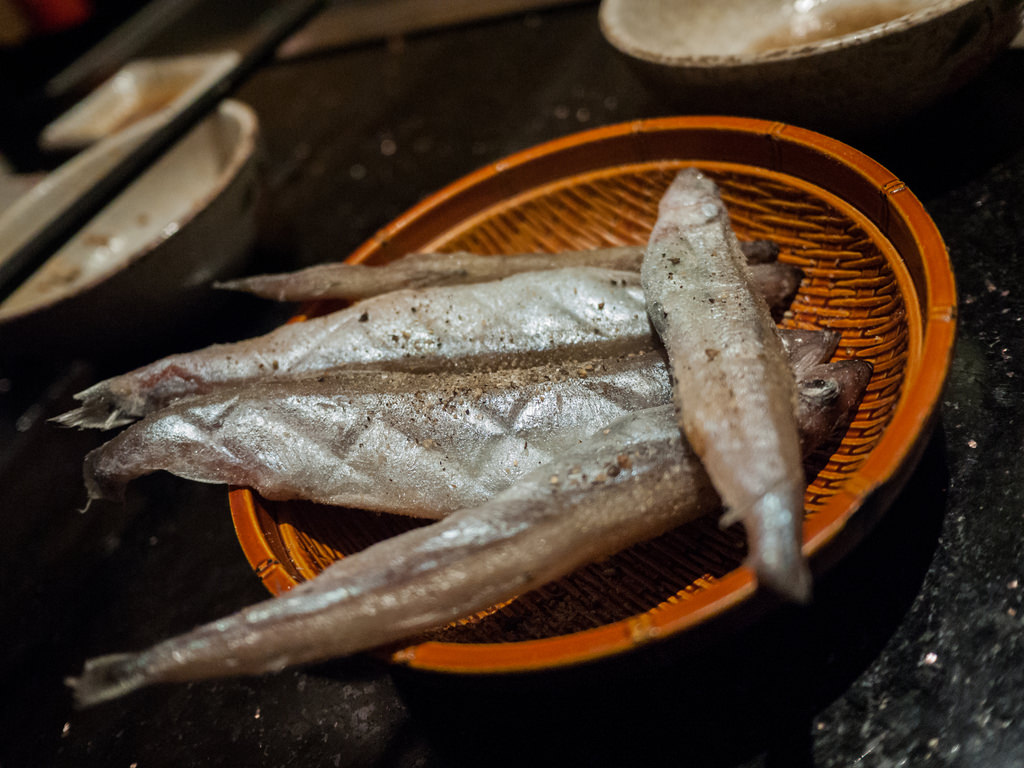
[144,261]
[139,90]
[876,270]
[844,66]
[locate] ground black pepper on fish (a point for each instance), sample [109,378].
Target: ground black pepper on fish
[532,314]
[632,480]
[340,280]
[422,444]
[734,391]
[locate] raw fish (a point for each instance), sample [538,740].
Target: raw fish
[559,312]
[419,270]
[631,481]
[734,391]
[421,444]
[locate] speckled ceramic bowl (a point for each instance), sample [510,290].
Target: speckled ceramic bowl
[844,66]
[876,270]
[143,264]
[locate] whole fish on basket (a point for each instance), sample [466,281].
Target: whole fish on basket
[733,388]
[414,443]
[527,314]
[632,480]
[340,280]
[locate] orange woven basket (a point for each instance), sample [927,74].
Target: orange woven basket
[876,270]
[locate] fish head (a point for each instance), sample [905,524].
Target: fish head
[827,396]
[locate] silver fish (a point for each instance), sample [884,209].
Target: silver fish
[526,313]
[420,444]
[734,391]
[530,314]
[631,481]
[419,270]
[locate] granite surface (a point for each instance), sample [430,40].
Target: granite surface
[912,653]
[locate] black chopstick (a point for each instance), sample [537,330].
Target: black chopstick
[270,30]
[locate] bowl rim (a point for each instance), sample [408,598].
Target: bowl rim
[628,44]
[884,200]
[242,152]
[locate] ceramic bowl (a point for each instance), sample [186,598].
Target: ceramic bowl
[160,86]
[876,270]
[843,66]
[145,261]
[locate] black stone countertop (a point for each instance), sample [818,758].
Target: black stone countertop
[912,654]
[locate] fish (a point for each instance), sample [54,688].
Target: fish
[558,312]
[632,480]
[733,389]
[414,443]
[353,282]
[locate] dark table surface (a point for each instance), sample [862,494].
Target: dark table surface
[911,654]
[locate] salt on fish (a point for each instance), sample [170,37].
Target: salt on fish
[533,314]
[632,480]
[341,280]
[733,388]
[421,444]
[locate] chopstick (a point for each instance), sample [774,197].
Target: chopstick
[270,30]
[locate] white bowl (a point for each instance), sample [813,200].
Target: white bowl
[159,86]
[145,261]
[842,66]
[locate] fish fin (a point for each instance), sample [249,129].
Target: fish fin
[817,351]
[101,408]
[94,414]
[729,518]
[72,418]
[107,677]
[100,483]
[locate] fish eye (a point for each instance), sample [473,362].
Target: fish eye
[820,389]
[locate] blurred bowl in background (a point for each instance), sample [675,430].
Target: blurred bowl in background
[142,266]
[842,66]
[159,86]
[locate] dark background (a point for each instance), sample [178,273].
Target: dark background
[912,653]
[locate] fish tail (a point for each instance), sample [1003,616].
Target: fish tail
[93,415]
[776,555]
[100,409]
[774,534]
[107,677]
[264,286]
[778,283]
[760,251]
[238,284]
